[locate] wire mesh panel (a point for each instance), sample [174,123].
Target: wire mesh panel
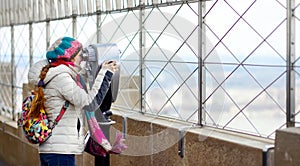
[86,30]
[219,63]
[5,72]
[251,81]
[38,41]
[60,28]
[171,61]
[123,29]
[21,64]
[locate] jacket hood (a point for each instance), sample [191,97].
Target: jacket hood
[35,70]
[54,71]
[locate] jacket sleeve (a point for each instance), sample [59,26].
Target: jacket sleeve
[79,97]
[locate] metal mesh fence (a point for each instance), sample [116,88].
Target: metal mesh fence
[227,64]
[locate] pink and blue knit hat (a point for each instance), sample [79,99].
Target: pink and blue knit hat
[63,48]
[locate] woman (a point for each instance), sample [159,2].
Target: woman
[58,82]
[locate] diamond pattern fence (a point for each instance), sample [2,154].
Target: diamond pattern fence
[218,63]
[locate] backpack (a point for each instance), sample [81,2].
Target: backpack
[37,130]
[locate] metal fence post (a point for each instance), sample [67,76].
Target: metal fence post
[47,34]
[290,59]
[12,73]
[30,45]
[142,54]
[201,76]
[98,24]
[74,25]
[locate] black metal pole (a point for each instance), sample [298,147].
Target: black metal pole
[105,124]
[103,161]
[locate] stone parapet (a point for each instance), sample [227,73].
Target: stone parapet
[287,147]
[157,141]
[152,141]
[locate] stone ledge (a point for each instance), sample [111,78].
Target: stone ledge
[8,121]
[155,141]
[159,143]
[16,150]
[230,136]
[287,147]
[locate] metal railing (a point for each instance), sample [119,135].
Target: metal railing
[232,66]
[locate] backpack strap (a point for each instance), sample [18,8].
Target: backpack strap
[61,113]
[63,108]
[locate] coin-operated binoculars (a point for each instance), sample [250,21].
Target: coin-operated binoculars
[95,55]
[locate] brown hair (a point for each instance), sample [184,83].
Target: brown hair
[38,102]
[76,52]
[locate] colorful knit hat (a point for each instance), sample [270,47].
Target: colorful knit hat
[63,48]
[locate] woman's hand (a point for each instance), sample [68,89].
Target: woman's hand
[110,65]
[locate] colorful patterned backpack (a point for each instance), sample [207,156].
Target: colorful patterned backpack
[38,130]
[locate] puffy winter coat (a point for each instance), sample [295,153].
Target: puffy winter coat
[61,86]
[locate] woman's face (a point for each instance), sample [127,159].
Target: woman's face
[78,58]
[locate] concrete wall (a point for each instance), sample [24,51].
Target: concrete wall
[16,151]
[287,149]
[151,141]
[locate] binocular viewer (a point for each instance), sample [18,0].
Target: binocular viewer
[95,55]
[101,52]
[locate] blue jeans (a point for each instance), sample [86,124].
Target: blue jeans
[49,159]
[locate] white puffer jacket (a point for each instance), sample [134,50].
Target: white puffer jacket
[61,86]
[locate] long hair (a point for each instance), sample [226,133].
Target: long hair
[38,101]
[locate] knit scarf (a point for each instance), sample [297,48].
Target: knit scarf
[96,132]
[61,62]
